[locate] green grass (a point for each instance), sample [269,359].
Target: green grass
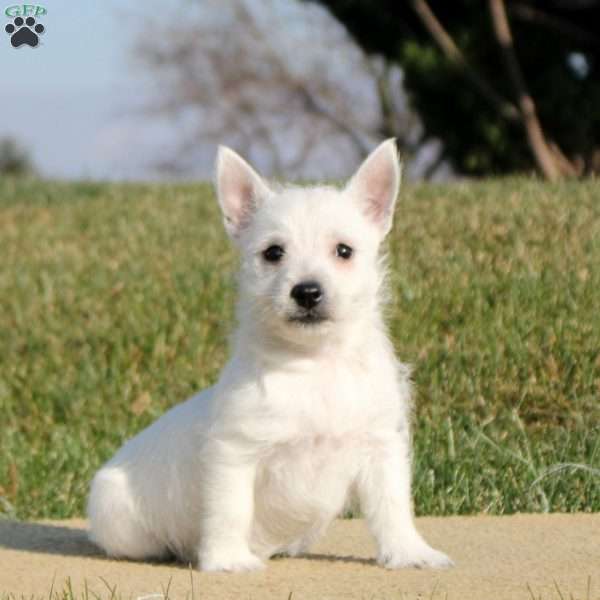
[116,301]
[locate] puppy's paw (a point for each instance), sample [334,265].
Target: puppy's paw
[418,555]
[233,560]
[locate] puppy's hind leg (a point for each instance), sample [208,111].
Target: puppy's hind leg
[115,523]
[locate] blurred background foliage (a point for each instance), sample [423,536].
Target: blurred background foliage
[467,102]
[14,158]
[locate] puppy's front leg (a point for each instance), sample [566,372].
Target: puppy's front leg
[227,514]
[384,490]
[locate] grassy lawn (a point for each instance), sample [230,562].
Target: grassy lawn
[116,302]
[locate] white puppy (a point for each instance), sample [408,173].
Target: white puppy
[311,409]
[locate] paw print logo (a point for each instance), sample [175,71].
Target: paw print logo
[24,32]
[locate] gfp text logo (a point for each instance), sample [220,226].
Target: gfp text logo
[25,10]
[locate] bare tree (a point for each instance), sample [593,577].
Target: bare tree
[280,81]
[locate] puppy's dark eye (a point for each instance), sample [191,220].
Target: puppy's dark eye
[343,251]
[273,253]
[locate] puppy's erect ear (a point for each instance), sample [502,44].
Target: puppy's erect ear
[376,183]
[240,190]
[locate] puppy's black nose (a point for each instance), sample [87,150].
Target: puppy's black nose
[307,294]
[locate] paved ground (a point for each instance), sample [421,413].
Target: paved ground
[522,556]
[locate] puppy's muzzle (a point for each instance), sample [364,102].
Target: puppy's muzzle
[307,294]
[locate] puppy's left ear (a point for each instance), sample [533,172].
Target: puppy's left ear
[240,190]
[376,183]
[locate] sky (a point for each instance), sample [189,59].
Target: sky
[64,99]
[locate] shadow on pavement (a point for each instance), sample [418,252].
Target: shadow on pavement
[70,541]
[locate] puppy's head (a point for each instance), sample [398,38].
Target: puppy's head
[310,264]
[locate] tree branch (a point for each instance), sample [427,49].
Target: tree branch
[535,136]
[528,13]
[453,53]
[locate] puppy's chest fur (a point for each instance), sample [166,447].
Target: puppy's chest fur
[332,397]
[324,420]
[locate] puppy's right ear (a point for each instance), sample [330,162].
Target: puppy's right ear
[240,190]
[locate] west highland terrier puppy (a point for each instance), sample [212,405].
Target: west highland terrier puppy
[311,410]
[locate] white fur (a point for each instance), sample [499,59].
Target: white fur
[303,416]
